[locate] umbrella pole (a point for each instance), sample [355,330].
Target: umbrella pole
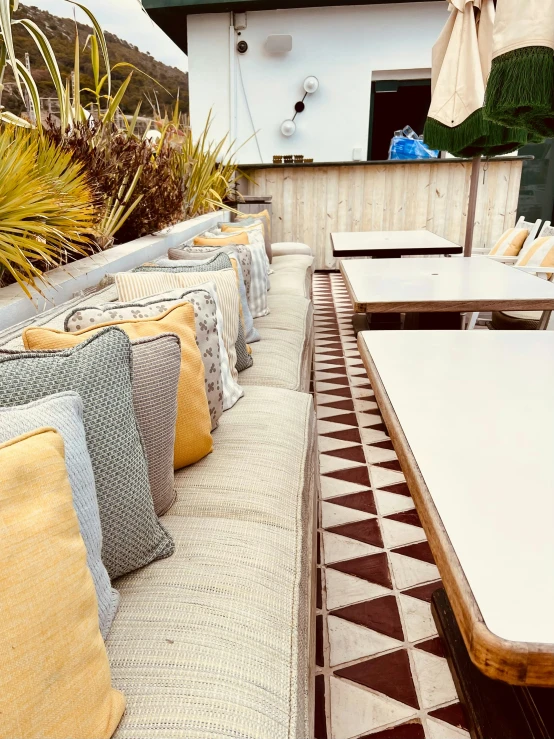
[472,205]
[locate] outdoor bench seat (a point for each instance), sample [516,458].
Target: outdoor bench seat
[285,248]
[214,641]
[292,275]
[281,359]
[287,312]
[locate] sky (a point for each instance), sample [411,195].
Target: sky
[127,20]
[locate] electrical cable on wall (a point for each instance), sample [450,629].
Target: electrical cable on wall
[248,109]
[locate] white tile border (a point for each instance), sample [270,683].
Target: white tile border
[66,281]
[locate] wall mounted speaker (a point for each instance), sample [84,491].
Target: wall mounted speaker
[278,43]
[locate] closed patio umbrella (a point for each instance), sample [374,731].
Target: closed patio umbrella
[520,89]
[461,63]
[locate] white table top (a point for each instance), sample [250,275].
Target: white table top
[477,409]
[404,241]
[438,283]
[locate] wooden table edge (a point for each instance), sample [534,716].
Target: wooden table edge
[517,663]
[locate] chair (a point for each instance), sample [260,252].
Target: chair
[534,233]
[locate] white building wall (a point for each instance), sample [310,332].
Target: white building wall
[344,47]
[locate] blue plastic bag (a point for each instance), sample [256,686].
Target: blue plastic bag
[404,148]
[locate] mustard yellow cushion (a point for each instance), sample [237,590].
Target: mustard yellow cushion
[510,243]
[55,675]
[263,215]
[238,227]
[192,435]
[539,254]
[239,238]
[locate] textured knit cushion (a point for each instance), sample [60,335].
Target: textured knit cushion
[64,413]
[510,243]
[217,262]
[189,259]
[293,279]
[221,239]
[539,254]
[133,285]
[282,359]
[223,626]
[192,435]
[243,252]
[156,371]
[207,337]
[55,676]
[99,370]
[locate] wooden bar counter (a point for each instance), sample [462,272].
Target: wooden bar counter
[310,201]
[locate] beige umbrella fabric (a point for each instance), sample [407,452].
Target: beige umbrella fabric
[461,62]
[520,88]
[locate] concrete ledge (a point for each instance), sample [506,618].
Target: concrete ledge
[66,282]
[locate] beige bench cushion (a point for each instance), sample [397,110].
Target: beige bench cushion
[294,261]
[213,642]
[281,359]
[289,312]
[292,279]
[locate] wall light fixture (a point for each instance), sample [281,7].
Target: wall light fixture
[311,85]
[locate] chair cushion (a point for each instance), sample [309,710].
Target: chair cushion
[281,359]
[540,253]
[510,243]
[281,248]
[223,625]
[515,320]
[99,370]
[55,678]
[64,413]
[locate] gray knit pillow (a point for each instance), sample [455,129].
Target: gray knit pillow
[213,264]
[99,370]
[64,412]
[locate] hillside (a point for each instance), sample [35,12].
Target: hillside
[61,34]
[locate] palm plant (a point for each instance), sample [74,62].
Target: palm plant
[47,207]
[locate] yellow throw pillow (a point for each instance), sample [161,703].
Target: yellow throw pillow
[539,254]
[55,677]
[510,243]
[192,434]
[239,238]
[263,215]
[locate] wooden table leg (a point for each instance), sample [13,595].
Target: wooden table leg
[495,710]
[433,321]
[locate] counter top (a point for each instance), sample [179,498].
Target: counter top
[387,162]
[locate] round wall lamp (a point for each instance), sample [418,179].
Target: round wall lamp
[288,127]
[311,85]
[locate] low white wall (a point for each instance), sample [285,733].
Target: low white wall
[344,47]
[66,282]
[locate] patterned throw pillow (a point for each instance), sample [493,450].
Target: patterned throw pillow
[188,260]
[192,431]
[540,253]
[205,318]
[217,262]
[99,370]
[510,243]
[55,679]
[260,264]
[64,413]
[136,285]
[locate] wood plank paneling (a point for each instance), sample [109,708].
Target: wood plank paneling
[309,203]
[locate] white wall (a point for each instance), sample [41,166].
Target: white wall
[341,46]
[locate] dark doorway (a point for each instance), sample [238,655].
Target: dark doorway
[395,104]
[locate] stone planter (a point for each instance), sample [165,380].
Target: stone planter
[68,281]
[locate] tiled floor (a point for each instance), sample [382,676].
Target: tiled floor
[381,672]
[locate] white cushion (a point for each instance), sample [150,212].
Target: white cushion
[281,248]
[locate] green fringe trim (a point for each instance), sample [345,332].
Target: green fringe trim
[473,137]
[520,90]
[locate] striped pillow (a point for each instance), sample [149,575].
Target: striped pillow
[539,254]
[510,243]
